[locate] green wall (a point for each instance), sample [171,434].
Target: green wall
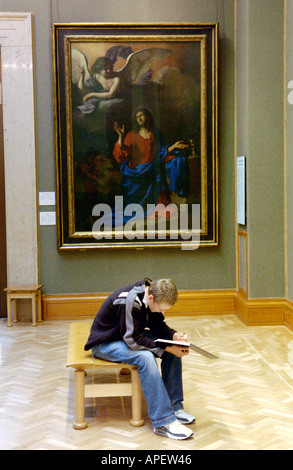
[97,271]
[266,196]
[289,148]
[259,136]
[260,139]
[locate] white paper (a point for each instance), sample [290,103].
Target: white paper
[241,190]
[47,218]
[47,198]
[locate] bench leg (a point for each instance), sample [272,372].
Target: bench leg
[34,310]
[8,311]
[14,303]
[39,306]
[136,400]
[79,422]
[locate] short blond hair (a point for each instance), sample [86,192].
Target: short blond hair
[164,290]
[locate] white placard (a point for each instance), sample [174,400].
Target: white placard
[241,190]
[47,218]
[47,198]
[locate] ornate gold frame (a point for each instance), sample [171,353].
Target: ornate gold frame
[64,36]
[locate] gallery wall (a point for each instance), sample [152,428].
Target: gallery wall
[288,85]
[259,136]
[103,270]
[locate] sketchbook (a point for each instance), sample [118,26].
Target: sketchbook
[203,352]
[171,342]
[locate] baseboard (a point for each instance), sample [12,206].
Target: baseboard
[71,306]
[260,311]
[79,306]
[190,303]
[289,313]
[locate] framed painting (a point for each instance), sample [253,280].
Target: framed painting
[135,111]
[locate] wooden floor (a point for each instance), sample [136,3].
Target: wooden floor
[244,400]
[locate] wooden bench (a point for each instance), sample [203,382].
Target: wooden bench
[82,360]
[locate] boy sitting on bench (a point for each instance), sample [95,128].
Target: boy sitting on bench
[125,330]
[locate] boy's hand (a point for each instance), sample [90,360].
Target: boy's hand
[179,337]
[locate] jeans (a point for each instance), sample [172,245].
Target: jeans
[163,394]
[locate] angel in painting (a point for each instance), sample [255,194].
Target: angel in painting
[103,84]
[101,95]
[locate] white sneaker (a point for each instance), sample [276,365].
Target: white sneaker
[174,430]
[184,417]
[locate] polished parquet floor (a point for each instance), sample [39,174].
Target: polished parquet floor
[242,401]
